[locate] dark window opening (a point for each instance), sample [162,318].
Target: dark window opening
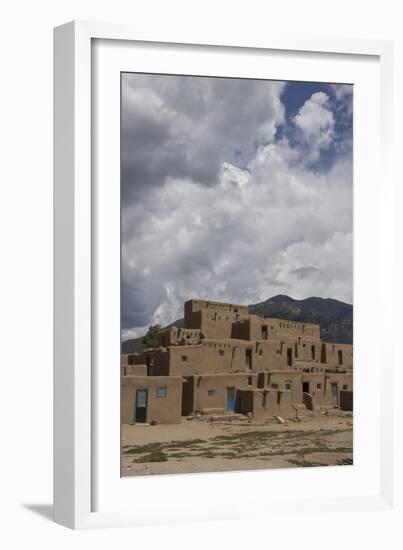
[184,358]
[345,387]
[313,352]
[340,357]
[264,332]
[289,357]
[221,353]
[305,387]
[210,393]
[249,380]
[248,358]
[260,380]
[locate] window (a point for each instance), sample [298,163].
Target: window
[288,385]
[210,393]
[318,386]
[313,352]
[236,310]
[340,357]
[162,392]
[221,353]
[184,358]
[163,342]
[274,386]
[345,387]
[260,352]
[249,380]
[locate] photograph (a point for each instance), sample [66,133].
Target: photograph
[236,274]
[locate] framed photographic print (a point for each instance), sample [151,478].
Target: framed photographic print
[220,248]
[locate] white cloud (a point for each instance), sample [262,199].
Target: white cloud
[216,205]
[249,237]
[316,124]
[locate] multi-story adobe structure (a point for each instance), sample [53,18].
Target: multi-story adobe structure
[227,360]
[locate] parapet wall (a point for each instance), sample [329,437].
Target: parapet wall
[191,306]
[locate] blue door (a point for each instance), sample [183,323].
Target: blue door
[230,399]
[140,411]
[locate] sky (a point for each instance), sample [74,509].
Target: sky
[233,190]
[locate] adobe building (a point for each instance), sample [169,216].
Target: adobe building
[226,360]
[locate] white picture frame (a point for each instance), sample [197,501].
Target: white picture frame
[84,495]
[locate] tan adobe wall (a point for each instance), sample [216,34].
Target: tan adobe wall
[211,390]
[339,354]
[281,379]
[265,403]
[178,336]
[157,361]
[166,410]
[215,356]
[192,306]
[201,359]
[295,329]
[124,359]
[230,355]
[254,327]
[134,370]
[212,324]
[319,386]
[306,366]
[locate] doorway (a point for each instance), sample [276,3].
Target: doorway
[323,354]
[140,412]
[334,394]
[305,387]
[248,358]
[230,399]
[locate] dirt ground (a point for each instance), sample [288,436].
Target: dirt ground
[202,446]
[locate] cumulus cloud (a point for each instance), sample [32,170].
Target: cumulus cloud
[316,124]
[228,209]
[187,126]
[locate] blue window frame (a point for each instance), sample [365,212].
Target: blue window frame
[162,392]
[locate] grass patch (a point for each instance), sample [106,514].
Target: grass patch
[141,449]
[255,444]
[156,456]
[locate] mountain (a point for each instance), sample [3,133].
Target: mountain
[335,318]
